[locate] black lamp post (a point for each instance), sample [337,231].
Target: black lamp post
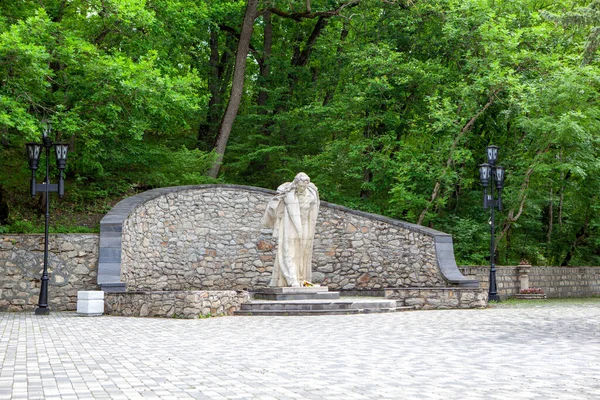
[33,152]
[494,173]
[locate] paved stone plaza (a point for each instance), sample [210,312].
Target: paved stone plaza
[549,351]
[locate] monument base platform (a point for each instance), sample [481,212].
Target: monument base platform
[295,293]
[312,300]
[319,307]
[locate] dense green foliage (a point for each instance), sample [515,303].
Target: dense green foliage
[387,105]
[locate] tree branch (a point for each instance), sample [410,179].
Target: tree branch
[300,58]
[465,129]
[308,14]
[511,217]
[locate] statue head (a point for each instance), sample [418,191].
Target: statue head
[302,178]
[301,181]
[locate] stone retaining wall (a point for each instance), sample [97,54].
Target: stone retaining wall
[180,304]
[439,298]
[557,282]
[210,237]
[72,266]
[73,260]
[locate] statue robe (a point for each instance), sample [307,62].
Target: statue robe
[293,218]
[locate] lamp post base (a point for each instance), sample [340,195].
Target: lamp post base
[493,297]
[42,311]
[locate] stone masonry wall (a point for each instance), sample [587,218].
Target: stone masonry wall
[439,298]
[72,261]
[557,282]
[181,304]
[213,239]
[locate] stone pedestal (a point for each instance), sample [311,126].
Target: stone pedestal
[523,271]
[90,303]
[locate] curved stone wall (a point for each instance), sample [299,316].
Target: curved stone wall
[209,237]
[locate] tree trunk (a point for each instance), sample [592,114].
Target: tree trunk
[237,87]
[367,178]
[4,210]
[301,57]
[264,66]
[550,219]
[581,235]
[207,131]
[340,49]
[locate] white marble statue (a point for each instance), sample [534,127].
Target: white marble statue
[292,214]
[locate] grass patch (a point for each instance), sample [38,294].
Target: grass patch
[570,301]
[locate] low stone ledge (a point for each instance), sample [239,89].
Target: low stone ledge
[530,296]
[363,293]
[175,304]
[557,282]
[430,298]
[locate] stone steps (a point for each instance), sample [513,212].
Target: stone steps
[313,300]
[319,307]
[290,313]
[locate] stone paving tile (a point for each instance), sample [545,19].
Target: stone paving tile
[544,352]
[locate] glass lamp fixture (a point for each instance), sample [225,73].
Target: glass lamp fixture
[34,151]
[485,172]
[492,154]
[500,174]
[61,150]
[47,128]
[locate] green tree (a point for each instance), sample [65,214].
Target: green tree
[387,105]
[99,72]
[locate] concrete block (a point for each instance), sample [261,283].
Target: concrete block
[90,303]
[90,295]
